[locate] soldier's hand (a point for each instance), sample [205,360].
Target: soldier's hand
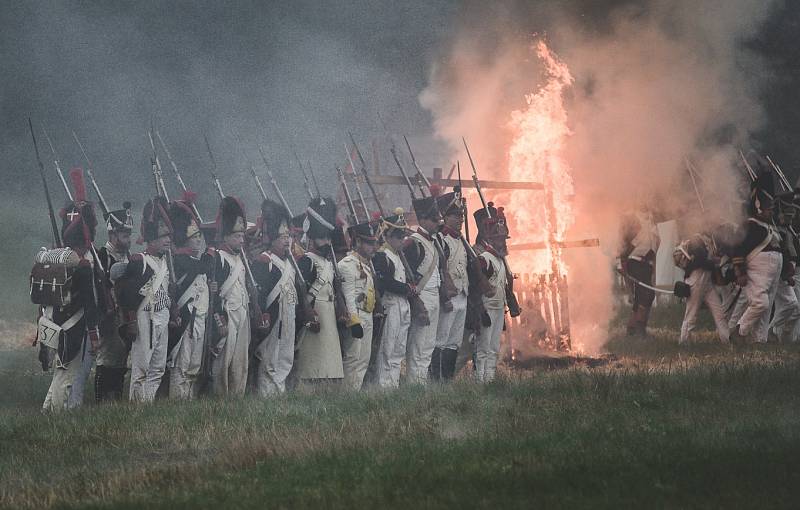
[94,340]
[265,321]
[357,331]
[486,321]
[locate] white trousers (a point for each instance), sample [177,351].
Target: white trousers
[450,332]
[763,275]
[356,353]
[149,354]
[422,339]
[187,357]
[488,345]
[703,291]
[229,368]
[787,312]
[276,355]
[393,341]
[62,387]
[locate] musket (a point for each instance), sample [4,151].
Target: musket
[466,214]
[366,174]
[50,210]
[511,299]
[784,181]
[419,172]
[355,180]
[750,171]
[90,173]
[157,173]
[305,176]
[57,165]
[313,177]
[177,173]
[403,172]
[214,177]
[258,182]
[347,196]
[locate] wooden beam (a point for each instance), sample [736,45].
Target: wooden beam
[466,183]
[583,243]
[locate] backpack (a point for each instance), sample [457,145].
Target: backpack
[51,276]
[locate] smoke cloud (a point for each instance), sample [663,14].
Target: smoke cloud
[655,83]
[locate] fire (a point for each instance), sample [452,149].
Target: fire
[540,132]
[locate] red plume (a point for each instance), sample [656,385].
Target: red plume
[436,190]
[189,197]
[78,184]
[376,215]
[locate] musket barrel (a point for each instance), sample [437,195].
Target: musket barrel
[50,210]
[57,165]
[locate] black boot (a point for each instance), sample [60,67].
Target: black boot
[117,383]
[100,383]
[436,365]
[449,357]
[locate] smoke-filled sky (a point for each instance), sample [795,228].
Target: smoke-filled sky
[299,75]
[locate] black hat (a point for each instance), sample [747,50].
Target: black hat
[762,192]
[320,218]
[426,208]
[367,231]
[273,217]
[78,217]
[491,221]
[231,217]
[451,203]
[339,239]
[120,220]
[155,219]
[184,222]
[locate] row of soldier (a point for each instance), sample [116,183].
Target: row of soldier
[744,274]
[286,301]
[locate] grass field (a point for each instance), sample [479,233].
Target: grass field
[661,426]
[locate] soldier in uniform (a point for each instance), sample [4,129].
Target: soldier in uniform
[787,309]
[144,297]
[193,264]
[423,258]
[231,310]
[758,261]
[491,249]
[637,257]
[319,355]
[274,272]
[112,357]
[73,328]
[450,331]
[391,281]
[358,287]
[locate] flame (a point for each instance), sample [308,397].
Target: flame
[540,132]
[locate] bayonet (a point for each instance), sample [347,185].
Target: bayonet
[355,180]
[177,174]
[90,173]
[347,196]
[214,177]
[366,175]
[416,167]
[305,176]
[475,179]
[50,210]
[314,178]
[57,165]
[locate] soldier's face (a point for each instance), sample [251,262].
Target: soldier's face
[280,246]
[454,221]
[396,240]
[235,240]
[161,245]
[429,224]
[196,243]
[121,241]
[366,248]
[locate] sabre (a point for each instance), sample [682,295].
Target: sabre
[355,180]
[57,165]
[416,166]
[177,173]
[366,175]
[90,173]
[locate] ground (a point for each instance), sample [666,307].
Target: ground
[659,426]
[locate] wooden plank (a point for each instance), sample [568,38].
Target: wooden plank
[583,243]
[466,183]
